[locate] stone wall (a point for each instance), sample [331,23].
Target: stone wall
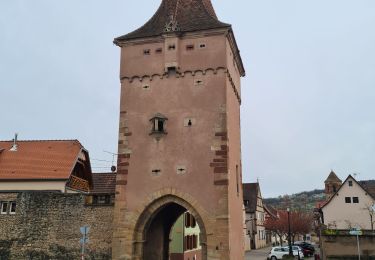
[46,226]
[345,247]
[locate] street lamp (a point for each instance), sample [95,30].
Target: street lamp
[289,234]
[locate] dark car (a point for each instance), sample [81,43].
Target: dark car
[308,249]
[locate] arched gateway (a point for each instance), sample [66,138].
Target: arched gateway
[178,187]
[153,230]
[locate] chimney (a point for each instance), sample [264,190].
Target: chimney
[15,145]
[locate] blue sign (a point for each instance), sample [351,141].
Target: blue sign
[84,230]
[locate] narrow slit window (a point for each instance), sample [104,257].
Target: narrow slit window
[202,45]
[190,47]
[159,50]
[237,180]
[172,47]
[146,52]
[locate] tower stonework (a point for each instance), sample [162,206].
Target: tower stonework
[179,137]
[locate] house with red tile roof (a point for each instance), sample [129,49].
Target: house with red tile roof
[104,189]
[44,165]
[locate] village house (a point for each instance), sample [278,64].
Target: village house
[349,211]
[255,216]
[44,165]
[350,206]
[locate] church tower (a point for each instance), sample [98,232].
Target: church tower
[179,136]
[332,184]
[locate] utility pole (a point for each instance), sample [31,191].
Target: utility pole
[289,234]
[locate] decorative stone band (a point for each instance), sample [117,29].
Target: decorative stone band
[140,78]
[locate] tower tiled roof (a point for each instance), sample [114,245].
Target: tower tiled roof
[179,16]
[38,159]
[332,177]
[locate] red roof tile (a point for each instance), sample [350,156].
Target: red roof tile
[39,160]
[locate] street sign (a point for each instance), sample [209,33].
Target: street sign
[356,232]
[84,230]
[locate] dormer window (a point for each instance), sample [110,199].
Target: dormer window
[158,125]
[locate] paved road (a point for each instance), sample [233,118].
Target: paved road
[261,254]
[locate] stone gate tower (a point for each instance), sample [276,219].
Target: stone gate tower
[179,138]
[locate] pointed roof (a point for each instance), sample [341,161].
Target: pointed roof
[332,177]
[250,193]
[178,16]
[367,186]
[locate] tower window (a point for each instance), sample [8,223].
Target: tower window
[172,71]
[146,52]
[159,50]
[172,47]
[158,124]
[237,182]
[190,47]
[202,45]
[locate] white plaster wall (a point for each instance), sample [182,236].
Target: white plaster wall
[33,186]
[341,215]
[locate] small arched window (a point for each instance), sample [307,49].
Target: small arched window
[158,127]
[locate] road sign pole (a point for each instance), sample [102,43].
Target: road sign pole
[83,247]
[359,250]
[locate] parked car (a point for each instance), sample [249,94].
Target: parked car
[308,248]
[278,252]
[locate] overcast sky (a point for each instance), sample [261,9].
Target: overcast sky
[308,96]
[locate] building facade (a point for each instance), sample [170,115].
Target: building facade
[351,206]
[179,136]
[255,216]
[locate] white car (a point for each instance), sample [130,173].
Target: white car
[278,252]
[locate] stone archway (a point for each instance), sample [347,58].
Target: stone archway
[154,225]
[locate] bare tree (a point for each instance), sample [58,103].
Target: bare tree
[371,211]
[301,223]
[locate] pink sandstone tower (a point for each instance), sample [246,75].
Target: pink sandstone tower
[179,137]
